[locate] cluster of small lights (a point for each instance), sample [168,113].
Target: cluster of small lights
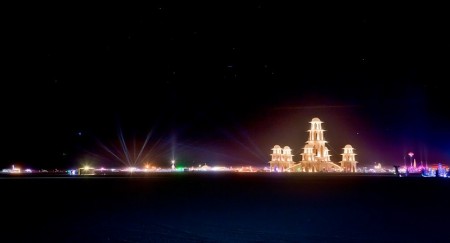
[439,171]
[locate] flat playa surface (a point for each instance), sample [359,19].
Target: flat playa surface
[225,207]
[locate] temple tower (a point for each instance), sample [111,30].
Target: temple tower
[281,158]
[315,156]
[317,141]
[348,162]
[287,154]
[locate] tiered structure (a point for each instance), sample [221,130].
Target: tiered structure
[315,156]
[281,159]
[348,162]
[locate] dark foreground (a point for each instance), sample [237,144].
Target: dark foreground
[225,207]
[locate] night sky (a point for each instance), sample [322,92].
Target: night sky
[222,82]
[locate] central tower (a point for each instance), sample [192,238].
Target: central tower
[315,156]
[317,142]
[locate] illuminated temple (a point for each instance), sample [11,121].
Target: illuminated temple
[281,158]
[315,156]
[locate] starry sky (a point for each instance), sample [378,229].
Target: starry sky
[222,83]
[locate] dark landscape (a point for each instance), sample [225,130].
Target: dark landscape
[225,207]
[168,86]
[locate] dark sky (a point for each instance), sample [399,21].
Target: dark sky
[222,82]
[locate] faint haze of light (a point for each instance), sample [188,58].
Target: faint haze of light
[173,140]
[123,155]
[255,150]
[209,151]
[314,107]
[243,139]
[124,146]
[423,155]
[256,147]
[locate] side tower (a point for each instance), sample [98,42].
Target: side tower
[281,158]
[287,156]
[348,162]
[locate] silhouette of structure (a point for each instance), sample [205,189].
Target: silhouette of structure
[397,172]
